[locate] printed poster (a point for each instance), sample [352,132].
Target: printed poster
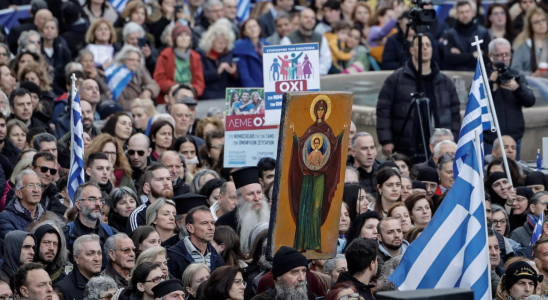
[291,68]
[247,138]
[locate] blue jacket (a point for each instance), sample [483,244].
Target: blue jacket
[216,84]
[178,259]
[15,217]
[250,65]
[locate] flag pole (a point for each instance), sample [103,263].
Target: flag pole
[477,146]
[487,90]
[72,95]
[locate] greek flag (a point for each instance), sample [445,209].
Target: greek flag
[76,173]
[476,117]
[537,233]
[452,251]
[243,10]
[118,77]
[119,5]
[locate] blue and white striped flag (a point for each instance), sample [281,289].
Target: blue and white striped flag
[244,6]
[452,251]
[76,173]
[119,5]
[476,117]
[118,77]
[537,233]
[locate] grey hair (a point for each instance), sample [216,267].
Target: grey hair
[22,42]
[149,255]
[536,198]
[445,159]
[282,15]
[213,111]
[220,29]
[330,263]
[84,239]
[132,27]
[210,3]
[196,181]
[438,132]
[496,143]
[7,49]
[438,146]
[110,243]
[152,210]
[190,271]
[81,54]
[165,117]
[496,208]
[359,135]
[73,66]
[125,51]
[43,137]
[97,284]
[498,41]
[80,189]
[119,193]
[19,178]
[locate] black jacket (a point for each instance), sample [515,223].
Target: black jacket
[394,104]
[462,37]
[15,33]
[73,285]
[367,180]
[229,219]
[418,167]
[11,152]
[266,22]
[178,259]
[137,218]
[50,201]
[180,188]
[216,84]
[363,289]
[508,105]
[61,57]
[394,56]
[75,35]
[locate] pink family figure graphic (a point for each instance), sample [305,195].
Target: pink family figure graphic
[289,66]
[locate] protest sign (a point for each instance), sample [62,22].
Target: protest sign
[290,68]
[247,138]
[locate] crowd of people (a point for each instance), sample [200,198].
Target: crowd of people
[159,217]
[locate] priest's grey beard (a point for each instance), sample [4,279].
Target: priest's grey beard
[299,291]
[249,218]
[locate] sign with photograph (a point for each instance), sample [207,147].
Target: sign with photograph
[290,68]
[247,138]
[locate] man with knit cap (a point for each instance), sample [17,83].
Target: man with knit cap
[289,270]
[519,282]
[429,176]
[169,289]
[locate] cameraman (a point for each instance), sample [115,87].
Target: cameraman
[508,97]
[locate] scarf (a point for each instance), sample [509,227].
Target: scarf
[181,55]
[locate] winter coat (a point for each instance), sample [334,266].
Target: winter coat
[523,234]
[11,152]
[267,24]
[140,82]
[178,259]
[229,219]
[109,271]
[61,57]
[164,74]
[394,103]
[16,217]
[250,65]
[180,188]
[509,106]
[9,187]
[75,36]
[216,84]
[79,229]
[521,59]
[73,285]
[50,202]
[462,37]
[13,243]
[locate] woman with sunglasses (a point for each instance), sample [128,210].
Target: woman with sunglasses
[100,287]
[145,276]
[225,283]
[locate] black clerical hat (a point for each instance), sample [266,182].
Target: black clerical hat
[244,176]
[186,202]
[167,287]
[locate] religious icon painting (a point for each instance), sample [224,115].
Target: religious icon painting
[309,183]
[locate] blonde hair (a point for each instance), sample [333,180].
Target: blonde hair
[131,7]
[35,68]
[90,34]
[190,271]
[146,104]
[98,143]
[19,167]
[16,122]
[220,29]
[208,120]
[149,255]
[527,32]
[152,210]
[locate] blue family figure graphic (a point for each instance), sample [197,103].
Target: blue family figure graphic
[275,69]
[295,60]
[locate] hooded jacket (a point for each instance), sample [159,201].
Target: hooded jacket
[16,217]
[12,254]
[178,259]
[54,269]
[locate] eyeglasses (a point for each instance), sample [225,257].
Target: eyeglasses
[110,153]
[32,186]
[44,169]
[217,147]
[355,296]
[93,199]
[139,152]
[158,279]
[502,55]
[6,297]
[240,282]
[127,250]
[501,222]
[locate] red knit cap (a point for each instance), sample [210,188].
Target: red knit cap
[178,29]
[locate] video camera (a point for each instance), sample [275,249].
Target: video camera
[420,18]
[505,73]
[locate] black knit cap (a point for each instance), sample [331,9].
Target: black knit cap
[287,259]
[244,176]
[428,174]
[32,87]
[417,184]
[167,287]
[185,202]
[389,164]
[519,270]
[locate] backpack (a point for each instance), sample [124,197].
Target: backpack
[105,228]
